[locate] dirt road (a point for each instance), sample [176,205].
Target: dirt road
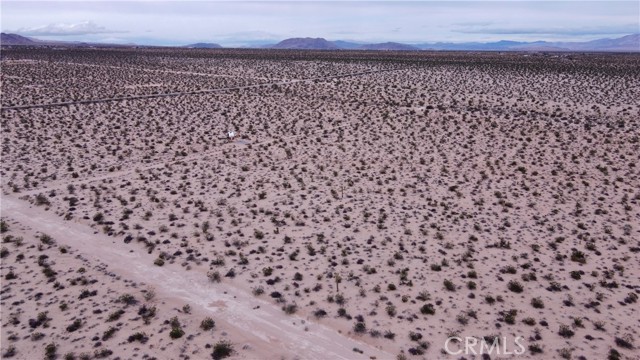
[185,93]
[284,334]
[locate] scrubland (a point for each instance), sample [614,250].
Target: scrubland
[387,200]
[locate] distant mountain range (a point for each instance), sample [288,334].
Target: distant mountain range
[19,40]
[323,44]
[629,43]
[203,46]
[305,43]
[15,39]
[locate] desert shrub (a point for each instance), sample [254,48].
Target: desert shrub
[360,327]
[222,349]
[46,239]
[515,286]
[510,316]
[414,336]
[77,323]
[108,334]
[49,272]
[578,256]
[427,309]
[565,331]
[139,336]
[42,199]
[535,348]
[391,287]
[537,303]
[102,353]
[9,352]
[176,332]
[115,315]
[631,298]
[147,313]
[290,308]
[614,355]
[98,217]
[4,227]
[471,285]
[214,276]
[127,299]
[391,310]
[207,324]
[462,319]
[258,290]
[149,294]
[625,342]
[423,296]
[319,313]
[565,353]
[218,261]
[50,351]
[449,285]
[267,271]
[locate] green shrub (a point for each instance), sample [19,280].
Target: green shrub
[176,333]
[222,349]
[207,324]
[50,351]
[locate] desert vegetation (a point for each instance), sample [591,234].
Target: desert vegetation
[398,198]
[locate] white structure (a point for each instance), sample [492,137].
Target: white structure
[231,135]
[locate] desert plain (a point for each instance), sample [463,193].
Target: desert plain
[371,206]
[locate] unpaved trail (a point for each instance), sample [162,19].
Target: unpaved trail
[194,92]
[161,163]
[278,332]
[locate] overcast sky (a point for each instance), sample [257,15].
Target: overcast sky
[238,23]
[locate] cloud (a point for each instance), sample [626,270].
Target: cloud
[62,29]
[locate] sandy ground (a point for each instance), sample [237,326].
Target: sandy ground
[269,331]
[423,197]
